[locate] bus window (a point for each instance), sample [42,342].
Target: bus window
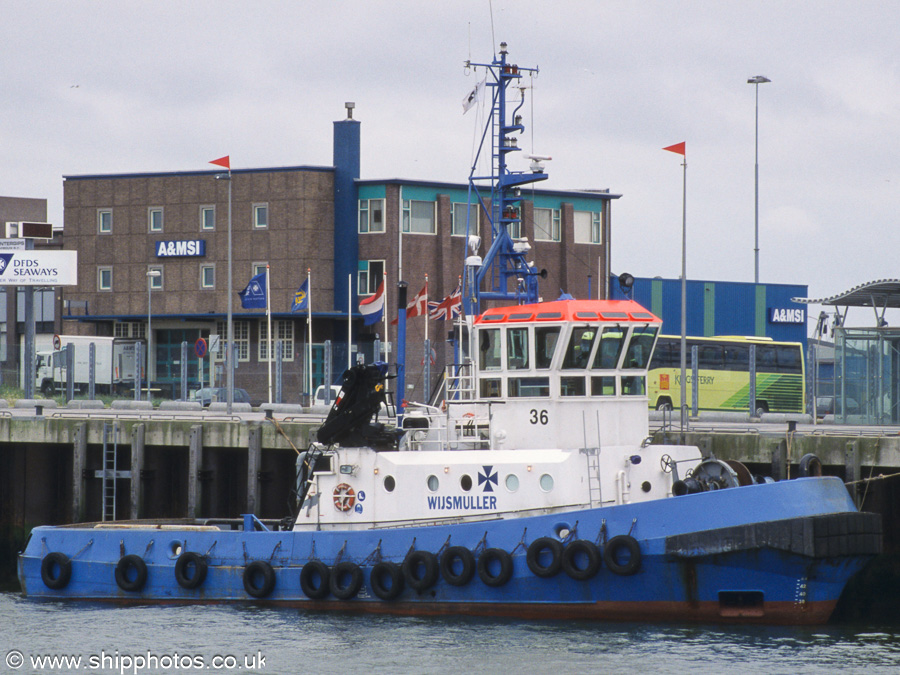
[711,357]
[638,353]
[607,356]
[666,354]
[579,350]
[517,348]
[737,357]
[790,360]
[489,349]
[545,338]
[765,358]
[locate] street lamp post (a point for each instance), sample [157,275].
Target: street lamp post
[151,275]
[757,80]
[229,345]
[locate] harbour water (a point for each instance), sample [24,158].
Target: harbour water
[229,638]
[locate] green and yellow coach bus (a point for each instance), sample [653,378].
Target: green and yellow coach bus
[723,379]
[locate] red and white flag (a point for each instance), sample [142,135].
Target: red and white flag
[417,306]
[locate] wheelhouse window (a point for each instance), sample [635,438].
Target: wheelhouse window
[611,340]
[546,224]
[521,387]
[545,339]
[635,385]
[418,217]
[580,344]
[489,349]
[371,215]
[517,349]
[640,348]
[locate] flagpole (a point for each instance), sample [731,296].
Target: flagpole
[269,330]
[309,332]
[229,397]
[385,314]
[349,318]
[426,307]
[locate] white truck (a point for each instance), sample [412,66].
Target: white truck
[113,364]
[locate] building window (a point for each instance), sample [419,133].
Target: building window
[369,276]
[418,217]
[241,339]
[104,278]
[259,268]
[282,330]
[155,219]
[546,224]
[104,221]
[459,216]
[371,215]
[260,216]
[156,280]
[207,217]
[207,276]
[514,229]
[587,227]
[130,329]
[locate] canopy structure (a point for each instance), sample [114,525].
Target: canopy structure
[880,295]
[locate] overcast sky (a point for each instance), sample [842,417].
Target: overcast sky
[104,87]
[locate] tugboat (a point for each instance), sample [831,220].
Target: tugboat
[531,491]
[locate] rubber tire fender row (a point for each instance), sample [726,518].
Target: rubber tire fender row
[183,565]
[49,564]
[484,567]
[466,561]
[533,557]
[587,549]
[611,555]
[123,568]
[336,583]
[263,569]
[430,570]
[307,576]
[383,572]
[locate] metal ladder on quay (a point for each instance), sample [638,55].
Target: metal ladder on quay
[109,470]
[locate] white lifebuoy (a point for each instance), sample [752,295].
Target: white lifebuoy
[344,497]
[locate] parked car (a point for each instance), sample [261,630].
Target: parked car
[209,394]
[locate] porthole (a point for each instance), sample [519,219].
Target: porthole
[174,549]
[389,483]
[645,486]
[512,482]
[465,482]
[546,482]
[433,483]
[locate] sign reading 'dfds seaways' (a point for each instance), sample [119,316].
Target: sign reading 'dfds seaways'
[39,268]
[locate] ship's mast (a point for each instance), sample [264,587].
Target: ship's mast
[504,273]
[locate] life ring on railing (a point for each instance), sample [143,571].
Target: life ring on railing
[262,572]
[576,552]
[182,569]
[536,552]
[345,580]
[308,579]
[124,572]
[386,580]
[503,559]
[56,570]
[611,555]
[344,497]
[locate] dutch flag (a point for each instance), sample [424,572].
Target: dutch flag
[372,308]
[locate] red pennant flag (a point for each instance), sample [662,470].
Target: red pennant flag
[677,148]
[226,161]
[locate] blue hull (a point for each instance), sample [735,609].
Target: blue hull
[773,553]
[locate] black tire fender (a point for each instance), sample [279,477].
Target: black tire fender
[810,465]
[533,556]
[506,567]
[49,566]
[123,569]
[336,583]
[575,550]
[611,555]
[466,561]
[183,566]
[307,580]
[427,562]
[386,580]
[262,569]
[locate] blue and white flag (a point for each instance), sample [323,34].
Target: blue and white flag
[254,296]
[301,298]
[372,308]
